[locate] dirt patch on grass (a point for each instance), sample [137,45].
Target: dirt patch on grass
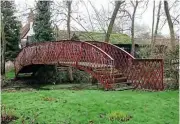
[48,99]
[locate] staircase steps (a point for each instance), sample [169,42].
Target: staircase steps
[120,81]
[107,70]
[116,75]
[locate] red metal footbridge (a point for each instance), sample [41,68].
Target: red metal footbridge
[106,62]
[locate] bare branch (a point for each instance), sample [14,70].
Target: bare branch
[98,17]
[88,14]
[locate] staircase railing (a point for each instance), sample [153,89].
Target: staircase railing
[122,59]
[142,73]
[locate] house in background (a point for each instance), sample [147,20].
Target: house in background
[26,33]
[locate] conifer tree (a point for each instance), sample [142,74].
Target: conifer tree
[42,24]
[11,29]
[44,32]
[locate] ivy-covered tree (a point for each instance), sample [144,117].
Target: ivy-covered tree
[42,24]
[3,46]
[11,29]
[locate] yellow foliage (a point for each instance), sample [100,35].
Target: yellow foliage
[120,116]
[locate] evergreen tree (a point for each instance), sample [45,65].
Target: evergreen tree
[11,29]
[42,24]
[44,32]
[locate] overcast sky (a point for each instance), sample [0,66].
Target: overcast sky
[144,19]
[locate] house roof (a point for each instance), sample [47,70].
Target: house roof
[25,29]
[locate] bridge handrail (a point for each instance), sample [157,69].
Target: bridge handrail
[113,46]
[66,52]
[40,43]
[122,59]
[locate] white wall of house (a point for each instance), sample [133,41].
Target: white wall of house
[29,33]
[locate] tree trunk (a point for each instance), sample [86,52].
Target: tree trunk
[132,29]
[152,31]
[113,17]
[171,29]
[3,48]
[69,35]
[156,29]
[56,32]
[69,19]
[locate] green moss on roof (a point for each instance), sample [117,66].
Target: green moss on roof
[115,38]
[120,38]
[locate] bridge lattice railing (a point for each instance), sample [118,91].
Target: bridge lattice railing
[143,73]
[78,54]
[146,74]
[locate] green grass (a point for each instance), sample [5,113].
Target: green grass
[10,74]
[93,106]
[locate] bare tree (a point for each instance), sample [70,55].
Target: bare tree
[170,24]
[99,18]
[56,31]
[152,31]
[154,34]
[175,16]
[68,19]
[89,17]
[142,31]
[132,26]
[69,33]
[157,22]
[61,11]
[116,9]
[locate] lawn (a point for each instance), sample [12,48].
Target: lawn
[92,106]
[10,74]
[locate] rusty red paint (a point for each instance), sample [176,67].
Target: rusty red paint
[91,55]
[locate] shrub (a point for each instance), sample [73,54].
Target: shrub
[143,52]
[46,74]
[62,77]
[78,76]
[49,75]
[171,66]
[81,76]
